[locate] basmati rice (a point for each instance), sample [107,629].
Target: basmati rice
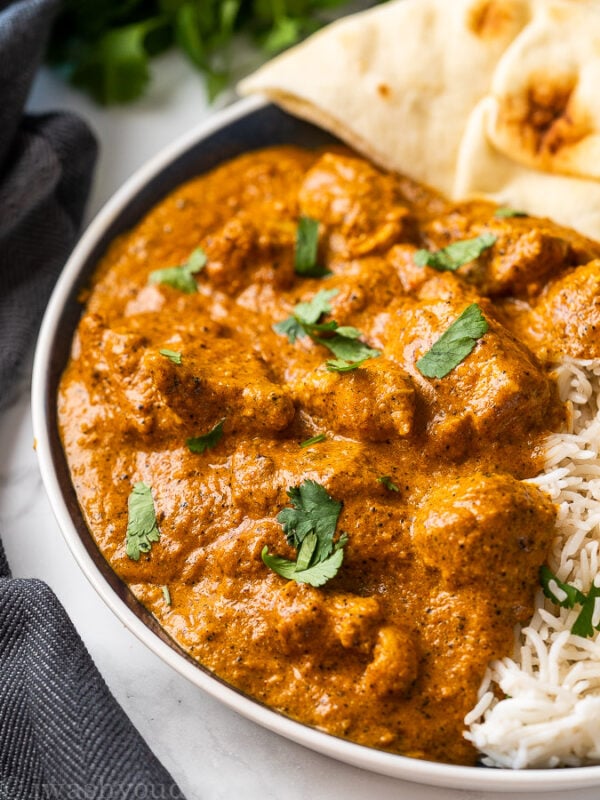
[550,712]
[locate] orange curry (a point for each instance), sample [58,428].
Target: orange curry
[444,539]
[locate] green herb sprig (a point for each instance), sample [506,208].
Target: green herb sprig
[568,597]
[320,437]
[505,211]
[182,276]
[450,258]
[307,244]
[172,355]
[199,444]
[386,480]
[105,46]
[142,528]
[309,527]
[342,340]
[455,344]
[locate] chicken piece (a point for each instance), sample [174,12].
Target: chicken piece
[470,530]
[567,319]
[362,208]
[242,253]
[216,383]
[498,391]
[309,622]
[370,403]
[364,283]
[395,664]
[354,620]
[209,385]
[526,253]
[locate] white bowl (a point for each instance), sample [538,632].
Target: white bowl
[247,125]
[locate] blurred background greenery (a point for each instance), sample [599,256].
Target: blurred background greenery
[104,47]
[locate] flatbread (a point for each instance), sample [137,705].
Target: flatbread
[546,90]
[494,99]
[398,82]
[484,172]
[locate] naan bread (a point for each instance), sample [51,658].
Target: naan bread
[497,99]
[397,82]
[546,90]
[483,171]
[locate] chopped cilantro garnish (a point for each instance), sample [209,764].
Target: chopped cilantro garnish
[182,276]
[309,527]
[506,211]
[307,243]
[166,594]
[341,365]
[567,596]
[563,594]
[308,313]
[198,444]
[142,529]
[386,480]
[453,256]
[345,342]
[320,437]
[316,575]
[455,344]
[172,355]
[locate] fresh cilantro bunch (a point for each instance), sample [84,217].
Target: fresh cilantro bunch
[105,46]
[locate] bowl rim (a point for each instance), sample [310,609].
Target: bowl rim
[383,763]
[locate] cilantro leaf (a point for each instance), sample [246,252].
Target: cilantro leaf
[386,480]
[289,327]
[284,33]
[142,528]
[313,510]
[550,584]
[506,211]
[453,256]
[309,527]
[307,244]
[583,624]
[316,575]
[455,344]
[349,349]
[320,437]
[114,69]
[309,313]
[567,596]
[306,315]
[172,355]
[344,344]
[199,444]
[182,276]
[341,365]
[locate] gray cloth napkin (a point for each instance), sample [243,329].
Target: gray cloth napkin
[62,734]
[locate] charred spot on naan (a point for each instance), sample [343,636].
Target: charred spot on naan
[546,118]
[492,19]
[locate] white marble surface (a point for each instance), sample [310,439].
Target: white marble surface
[212,752]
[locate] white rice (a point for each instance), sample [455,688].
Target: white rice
[550,714]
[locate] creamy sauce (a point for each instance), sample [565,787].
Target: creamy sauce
[391,651]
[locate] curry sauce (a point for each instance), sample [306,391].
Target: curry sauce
[444,536]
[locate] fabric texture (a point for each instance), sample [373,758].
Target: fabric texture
[62,734]
[45,171]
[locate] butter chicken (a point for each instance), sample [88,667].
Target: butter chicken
[213,396]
